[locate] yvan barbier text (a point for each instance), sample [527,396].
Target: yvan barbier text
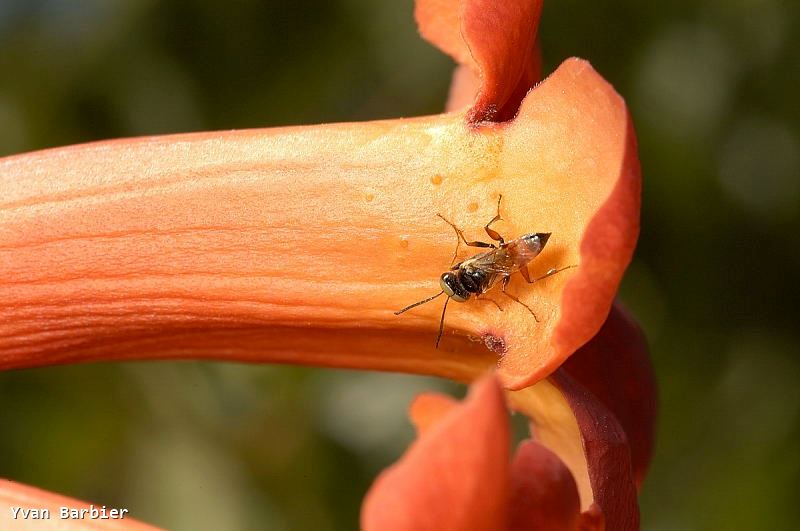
[91,512]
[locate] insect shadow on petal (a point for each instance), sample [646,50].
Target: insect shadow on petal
[478,274]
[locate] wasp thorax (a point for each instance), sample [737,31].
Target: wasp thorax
[453,288]
[473,280]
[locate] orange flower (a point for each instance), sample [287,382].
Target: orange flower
[296,245]
[457,476]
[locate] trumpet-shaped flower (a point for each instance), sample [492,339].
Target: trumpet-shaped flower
[298,244]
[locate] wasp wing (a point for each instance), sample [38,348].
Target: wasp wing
[494,262]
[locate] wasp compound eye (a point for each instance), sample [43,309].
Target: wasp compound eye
[453,288]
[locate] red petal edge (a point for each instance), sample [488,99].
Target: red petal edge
[496,40]
[608,456]
[615,367]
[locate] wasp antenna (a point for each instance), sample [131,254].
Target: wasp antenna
[429,299]
[441,323]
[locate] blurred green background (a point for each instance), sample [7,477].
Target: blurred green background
[713,87]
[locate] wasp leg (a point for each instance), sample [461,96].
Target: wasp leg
[512,297]
[493,234]
[460,238]
[527,276]
[479,298]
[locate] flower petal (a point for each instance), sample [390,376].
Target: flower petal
[454,477]
[463,88]
[428,408]
[615,368]
[581,114]
[607,453]
[466,83]
[543,491]
[555,426]
[584,433]
[495,40]
[592,519]
[16,498]
[297,244]
[439,22]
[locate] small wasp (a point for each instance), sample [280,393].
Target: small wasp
[477,275]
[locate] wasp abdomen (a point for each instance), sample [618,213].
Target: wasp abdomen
[535,241]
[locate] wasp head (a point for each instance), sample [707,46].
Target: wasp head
[453,288]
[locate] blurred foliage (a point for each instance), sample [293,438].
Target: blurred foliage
[712,86]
